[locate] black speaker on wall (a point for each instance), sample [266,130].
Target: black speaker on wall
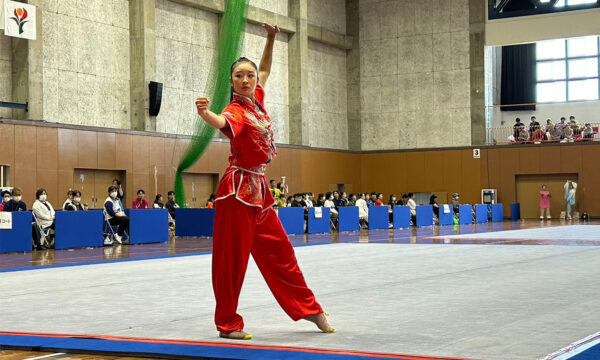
[155,97]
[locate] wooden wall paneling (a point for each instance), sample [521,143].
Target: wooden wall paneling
[25,165]
[140,165]
[169,167]
[68,150]
[433,171]
[471,178]
[529,160]
[589,178]
[88,149]
[492,176]
[415,165]
[107,150]
[549,159]
[451,172]
[47,162]
[484,169]
[509,167]
[7,148]
[570,158]
[124,152]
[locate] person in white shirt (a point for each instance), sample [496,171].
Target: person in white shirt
[114,214]
[329,204]
[363,209]
[44,214]
[413,207]
[307,200]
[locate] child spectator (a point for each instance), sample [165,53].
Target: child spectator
[210,203]
[69,199]
[158,202]
[379,201]
[140,202]
[171,205]
[75,204]
[5,199]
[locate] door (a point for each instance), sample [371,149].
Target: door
[94,184]
[198,188]
[528,193]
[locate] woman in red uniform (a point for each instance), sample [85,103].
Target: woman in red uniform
[245,222]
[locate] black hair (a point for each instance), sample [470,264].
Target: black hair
[563,118]
[39,192]
[404,196]
[141,191]
[351,195]
[157,197]
[5,192]
[70,192]
[533,117]
[410,195]
[391,196]
[118,182]
[272,180]
[518,120]
[211,197]
[171,193]
[432,199]
[571,117]
[235,64]
[76,192]
[112,188]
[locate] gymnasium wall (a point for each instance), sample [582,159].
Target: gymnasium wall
[414,74]
[5,74]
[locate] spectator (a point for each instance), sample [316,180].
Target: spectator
[283,188]
[344,197]
[310,199]
[516,128]
[588,132]
[289,201]
[114,214]
[75,204]
[274,189]
[538,135]
[561,126]
[16,204]
[171,205]
[120,192]
[210,203]
[329,203]
[337,201]
[574,126]
[297,202]
[158,202]
[69,199]
[570,192]
[555,133]
[523,134]
[372,199]
[413,207]
[140,202]
[44,214]
[363,209]
[548,122]
[404,200]
[5,199]
[281,201]
[456,203]
[568,134]
[392,201]
[435,205]
[533,126]
[321,200]
[379,201]
[352,200]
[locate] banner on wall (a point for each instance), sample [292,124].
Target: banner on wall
[19,20]
[1,14]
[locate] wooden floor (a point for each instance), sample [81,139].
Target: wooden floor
[23,355]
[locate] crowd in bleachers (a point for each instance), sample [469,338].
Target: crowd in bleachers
[562,131]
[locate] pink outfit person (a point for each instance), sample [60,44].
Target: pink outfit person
[544,203]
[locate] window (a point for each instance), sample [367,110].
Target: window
[568,69]
[561,3]
[4,176]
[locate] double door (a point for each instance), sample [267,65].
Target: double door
[94,184]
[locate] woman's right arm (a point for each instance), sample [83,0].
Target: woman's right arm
[212,119]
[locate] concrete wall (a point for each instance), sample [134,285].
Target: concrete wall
[415,78]
[329,14]
[328,123]
[86,62]
[5,74]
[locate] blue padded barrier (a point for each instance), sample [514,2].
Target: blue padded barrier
[446,219]
[149,225]
[319,226]
[379,217]
[194,222]
[78,229]
[292,219]
[497,212]
[348,219]
[466,214]
[515,211]
[19,238]
[481,213]
[401,217]
[424,215]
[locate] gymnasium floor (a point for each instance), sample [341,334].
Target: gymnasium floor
[433,292]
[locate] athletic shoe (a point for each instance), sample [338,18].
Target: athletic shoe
[118,239]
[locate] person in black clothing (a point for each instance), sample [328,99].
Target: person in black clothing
[321,200]
[15,204]
[297,202]
[533,126]
[120,191]
[516,128]
[337,201]
[171,204]
[75,204]
[436,206]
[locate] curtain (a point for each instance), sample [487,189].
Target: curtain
[518,77]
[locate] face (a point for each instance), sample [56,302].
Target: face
[160,199]
[336,195]
[243,79]
[5,198]
[171,197]
[380,197]
[353,197]
[141,195]
[272,184]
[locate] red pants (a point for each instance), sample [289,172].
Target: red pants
[241,230]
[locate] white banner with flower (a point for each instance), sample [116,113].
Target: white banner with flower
[19,20]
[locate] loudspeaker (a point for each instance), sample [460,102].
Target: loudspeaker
[155,97]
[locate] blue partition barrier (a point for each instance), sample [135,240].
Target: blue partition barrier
[481,213]
[424,215]
[78,229]
[348,219]
[379,217]
[149,225]
[515,211]
[497,212]
[466,214]
[320,225]
[194,222]
[446,218]
[401,217]
[17,239]
[292,219]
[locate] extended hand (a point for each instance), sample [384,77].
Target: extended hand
[202,105]
[271,30]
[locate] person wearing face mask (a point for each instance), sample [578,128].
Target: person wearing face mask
[330,203]
[69,199]
[171,205]
[5,199]
[16,204]
[114,214]
[44,214]
[140,202]
[75,204]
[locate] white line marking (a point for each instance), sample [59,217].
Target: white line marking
[45,356]
[575,348]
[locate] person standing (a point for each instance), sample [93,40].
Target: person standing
[570,192]
[544,203]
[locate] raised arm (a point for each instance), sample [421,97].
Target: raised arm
[212,119]
[264,69]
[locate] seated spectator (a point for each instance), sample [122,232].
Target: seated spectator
[456,203]
[158,202]
[379,201]
[309,199]
[344,197]
[523,134]
[516,128]
[321,200]
[404,200]
[140,202]
[538,135]
[588,132]
[352,200]
[114,214]
[337,201]
[561,126]
[75,204]
[413,208]
[568,134]
[574,126]
[289,201]
[363,210]
[297,202]
[330,204]
[44,214]
[16,204]
[392,201]
[69,199]
[555,133]
[171,205]
[274,189]
[372,200]
[533,126]
[281,201]
[5,199]
[210,203]
[435,205]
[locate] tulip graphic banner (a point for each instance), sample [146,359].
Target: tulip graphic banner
[19,20]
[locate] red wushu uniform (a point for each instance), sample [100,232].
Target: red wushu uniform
[245,222]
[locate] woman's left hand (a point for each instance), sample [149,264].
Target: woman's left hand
[271,30]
